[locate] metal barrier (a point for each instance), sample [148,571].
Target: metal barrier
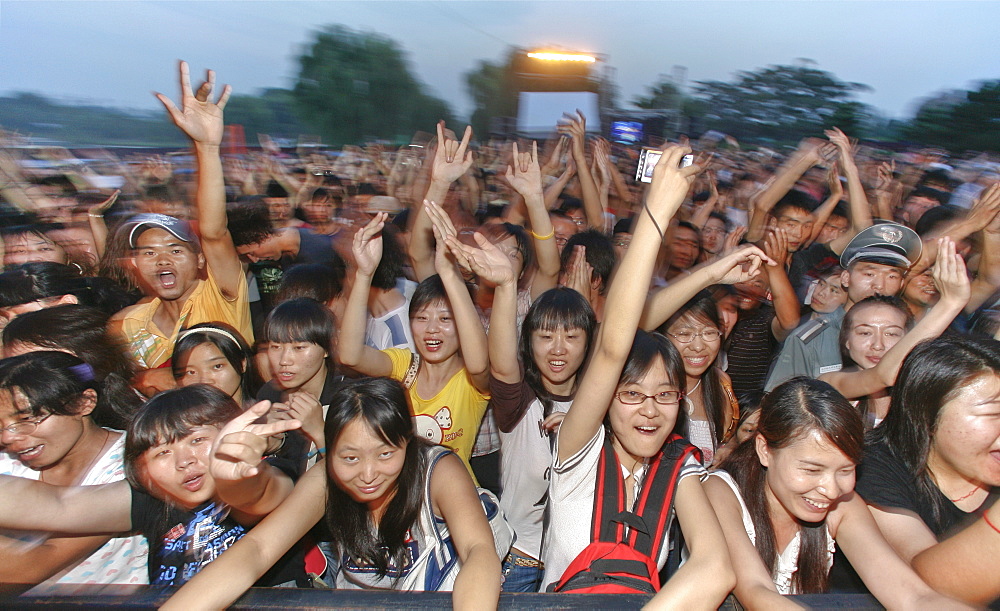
[292,598]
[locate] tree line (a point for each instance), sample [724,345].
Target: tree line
[357,86]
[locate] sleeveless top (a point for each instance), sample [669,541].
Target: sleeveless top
[431,563]
[788,560]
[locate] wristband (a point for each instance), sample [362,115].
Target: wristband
[548,236]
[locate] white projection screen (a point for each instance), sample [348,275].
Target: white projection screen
[538,112]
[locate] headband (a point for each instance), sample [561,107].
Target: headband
[215,330]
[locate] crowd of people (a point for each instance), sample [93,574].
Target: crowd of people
[485,366]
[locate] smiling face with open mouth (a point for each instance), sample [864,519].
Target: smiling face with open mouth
[699,353]
[806,478]
[434,332]
[641,430]
[167,266]
[177,471]
[558,353]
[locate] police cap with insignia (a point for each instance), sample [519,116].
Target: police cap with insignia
[885,243]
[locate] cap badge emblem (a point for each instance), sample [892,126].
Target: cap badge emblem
[889,235]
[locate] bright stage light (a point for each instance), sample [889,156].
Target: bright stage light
[563,57]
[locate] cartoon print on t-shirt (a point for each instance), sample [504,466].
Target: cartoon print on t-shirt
[428,428]
[443,418]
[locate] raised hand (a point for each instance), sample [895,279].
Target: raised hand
[443,231]
[949,274]
[776,245]
[575,126]
[578,273]
[552,164]
[984,209]
[367,245]
[102,207]
[841,141]
[733,238]
[198,117]
[239,448]
[740,265]
[883,177]
[487,261]
[452,159]
[524,174]
[670,181]
[833,182]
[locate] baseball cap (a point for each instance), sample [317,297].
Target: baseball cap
[886,243]
[174,226]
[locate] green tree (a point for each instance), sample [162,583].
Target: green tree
[960,121]
[662,95]
[271,112]
[783,103]
[353,86]
[493,89]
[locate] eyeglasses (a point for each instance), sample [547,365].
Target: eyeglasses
[707,335]
[25,427]
[633,397]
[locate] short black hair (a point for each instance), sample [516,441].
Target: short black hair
[249,220]
[794,200]
[600,254]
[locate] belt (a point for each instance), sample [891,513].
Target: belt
[522,561]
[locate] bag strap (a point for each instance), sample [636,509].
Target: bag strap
[656,500]
[411,373]
[609,496]
[734,407]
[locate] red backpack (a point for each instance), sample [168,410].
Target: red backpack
[620,561]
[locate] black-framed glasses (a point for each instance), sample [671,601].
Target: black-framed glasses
[707,335]
[25,427]
[634,397]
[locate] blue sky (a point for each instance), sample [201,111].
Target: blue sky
[116,53]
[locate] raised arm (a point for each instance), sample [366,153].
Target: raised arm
[823,212]
[987,280]
[220,583]
[738,265]
[860,211]
[491,264]
[351,348]
[452,160]
[616,334]
[787,311]
[526,178]
[576,126]
[471,334]
[952,282]
[201,120]
[809,153]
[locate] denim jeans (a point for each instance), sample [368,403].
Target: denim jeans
[520,578]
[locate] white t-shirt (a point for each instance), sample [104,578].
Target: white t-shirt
[525,457]
[121,560]
[571,506]
[392,329]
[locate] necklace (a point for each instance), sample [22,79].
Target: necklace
[687,398]
[962,498]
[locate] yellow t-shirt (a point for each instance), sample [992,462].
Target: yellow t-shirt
[451,417]
[150,347]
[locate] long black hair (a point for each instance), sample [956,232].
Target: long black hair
[703,307]
[381,404]
[82,331]
[932,374]
[52,382]
[558,308]
[790,411]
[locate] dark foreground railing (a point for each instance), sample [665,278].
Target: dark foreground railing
[277,598]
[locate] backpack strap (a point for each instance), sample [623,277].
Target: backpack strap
[656,499]
[411,373]
[609,497]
